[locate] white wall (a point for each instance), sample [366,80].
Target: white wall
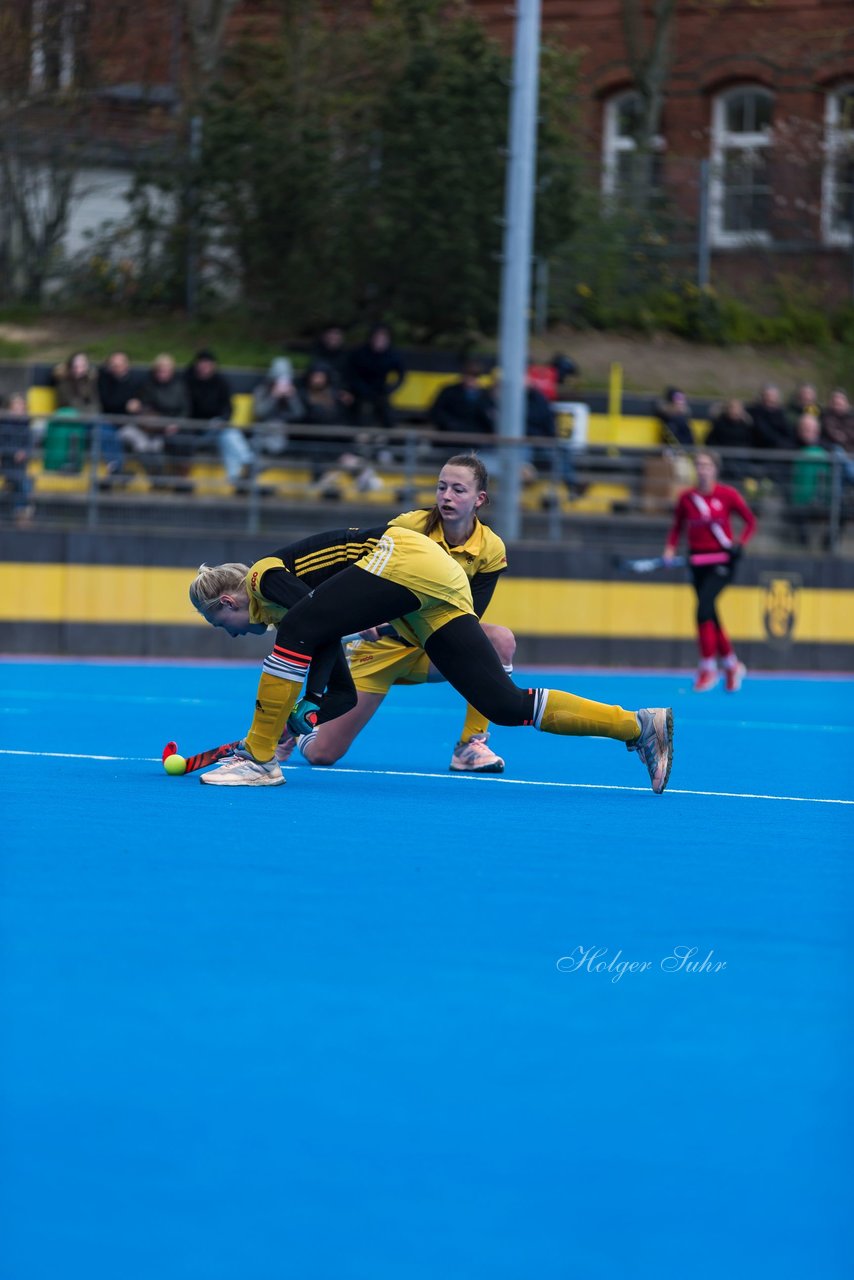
[99,196]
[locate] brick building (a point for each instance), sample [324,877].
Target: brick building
[756,123]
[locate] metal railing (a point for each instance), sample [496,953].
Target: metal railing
[308,473]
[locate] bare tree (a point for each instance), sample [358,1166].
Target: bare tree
[648,42]
[37,154]
[206,22]
[36,187]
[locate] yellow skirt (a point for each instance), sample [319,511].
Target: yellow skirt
[411,560]
[376,665]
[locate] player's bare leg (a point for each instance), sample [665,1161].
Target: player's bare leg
[329,742]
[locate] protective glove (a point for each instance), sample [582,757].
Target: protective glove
[303,718]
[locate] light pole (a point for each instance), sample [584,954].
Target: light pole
[518,248]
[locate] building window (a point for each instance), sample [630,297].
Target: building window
[837,206]
[619,146]
[55,36]
[740,180]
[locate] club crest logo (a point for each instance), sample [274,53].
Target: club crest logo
[780,607]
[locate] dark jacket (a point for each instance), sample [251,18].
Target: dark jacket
[14,438]
[209,397]
[335,360]
[539,419]
[319,406]
[76,393]
[771,427]
[730,433]
[456,408]
[838,428]
[114,393]
[675,422]
[165,399]
[374,374]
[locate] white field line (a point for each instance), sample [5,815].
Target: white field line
[451,777]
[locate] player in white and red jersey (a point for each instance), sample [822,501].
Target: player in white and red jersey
[704,514]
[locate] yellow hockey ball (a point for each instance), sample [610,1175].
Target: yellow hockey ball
[175,764]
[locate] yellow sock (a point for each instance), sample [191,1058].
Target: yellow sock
[275,701]
[565,713]
[474,723]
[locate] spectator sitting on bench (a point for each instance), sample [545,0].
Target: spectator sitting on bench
[674,413]
[321,407]
[164,393]
[772,431]
[810,488]
[118,390]
[210,401]
[540,421]
[15,450]
[803,400]
[549,378]
[732,428]
[320,403]
[275,403]
[375,371]
[837,430]
[465,406]
[76,384]
[330,354]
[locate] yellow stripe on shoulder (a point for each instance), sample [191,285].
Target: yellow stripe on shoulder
[346,552]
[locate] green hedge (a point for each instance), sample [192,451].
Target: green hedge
[703,315]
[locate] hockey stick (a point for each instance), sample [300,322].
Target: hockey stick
[202,758]
[650,564]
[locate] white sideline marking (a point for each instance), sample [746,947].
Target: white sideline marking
[467,777]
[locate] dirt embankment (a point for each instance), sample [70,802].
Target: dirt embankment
[649,364]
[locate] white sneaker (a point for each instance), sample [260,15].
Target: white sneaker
[242,771]
[654,744]
[475,756]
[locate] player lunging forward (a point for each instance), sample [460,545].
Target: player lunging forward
[378,663]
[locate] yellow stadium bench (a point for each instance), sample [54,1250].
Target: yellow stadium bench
[209,479]
[633,431]
[599,499]
[57,481]
[419,389]
[241,409]
[41,401]
[135,480]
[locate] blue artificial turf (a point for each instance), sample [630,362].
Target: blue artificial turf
[321,1031]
